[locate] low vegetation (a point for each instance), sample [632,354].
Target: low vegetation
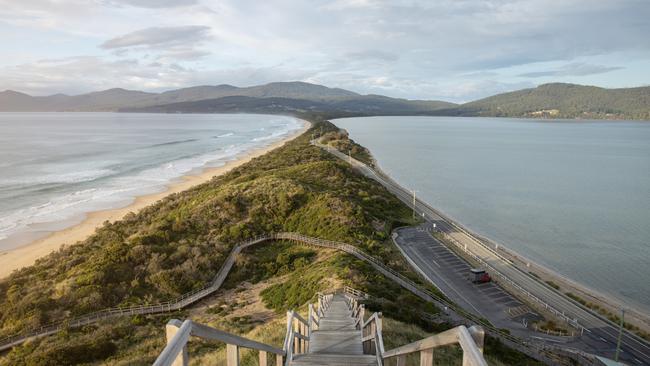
[609,315]
[179,243]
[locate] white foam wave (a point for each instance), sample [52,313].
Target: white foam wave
[58,178]
[121,190]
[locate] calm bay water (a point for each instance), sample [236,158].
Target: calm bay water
[54,167]
[573,196]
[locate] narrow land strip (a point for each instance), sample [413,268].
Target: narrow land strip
[601,334]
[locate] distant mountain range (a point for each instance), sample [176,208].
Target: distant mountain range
[546,101]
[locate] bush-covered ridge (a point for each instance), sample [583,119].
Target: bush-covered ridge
[179,243]
[558,100]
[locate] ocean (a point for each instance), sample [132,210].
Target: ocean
[573,196]
[56,167]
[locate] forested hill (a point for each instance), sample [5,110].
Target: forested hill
[278,96]
[546,101]
[559,100]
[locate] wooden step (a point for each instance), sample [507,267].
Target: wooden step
[334,359]
[340,342]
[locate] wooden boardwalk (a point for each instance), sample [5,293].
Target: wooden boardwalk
[337,341]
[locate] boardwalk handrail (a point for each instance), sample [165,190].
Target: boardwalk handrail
[372,340]
[470,340]
[354,292]
[197,295]
[178,334]
[296,340]
[164,307]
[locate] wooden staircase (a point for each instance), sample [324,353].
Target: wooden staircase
[336,332]
[337,340]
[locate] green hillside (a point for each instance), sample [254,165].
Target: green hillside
[179,243]
[562,101]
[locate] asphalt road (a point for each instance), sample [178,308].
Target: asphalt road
[451,274]
[600,335]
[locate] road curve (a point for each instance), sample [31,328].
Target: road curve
[600,335]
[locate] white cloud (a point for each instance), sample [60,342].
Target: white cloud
[160,37]
[573,69]
[152,3]
[458,49]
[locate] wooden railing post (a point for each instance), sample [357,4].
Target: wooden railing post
[310,323]
[401,360]
[296,340]
[478,334]
[362,312]
[263,358]
[380,324]
[278,360]
[170,330]
[303,344]
[232,355]
[426,357]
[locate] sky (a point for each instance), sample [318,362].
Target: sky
[454,50]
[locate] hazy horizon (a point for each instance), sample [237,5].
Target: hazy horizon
[437,50]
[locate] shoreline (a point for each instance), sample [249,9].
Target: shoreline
[27,254]
[633,314]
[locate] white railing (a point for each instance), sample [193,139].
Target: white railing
[168,306]
[296,340]
[470,340]
[178,334]
[354,292]
[194,296]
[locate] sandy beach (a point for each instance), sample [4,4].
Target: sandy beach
[26,255]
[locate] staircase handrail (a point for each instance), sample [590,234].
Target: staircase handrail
[372,340]
[470,341]
[297,337]
[178,334]
[196,295]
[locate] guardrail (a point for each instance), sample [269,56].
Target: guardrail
[545,354]
[391,182]
[519,289]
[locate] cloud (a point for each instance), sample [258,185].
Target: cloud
[70,75]
[153,3]
[159,37]
[573,69]
[457,49]
[372,55]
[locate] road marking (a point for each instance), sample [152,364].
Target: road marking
[547,339]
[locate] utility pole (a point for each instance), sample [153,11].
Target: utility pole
[350,156]
[414,204]
[620,335]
